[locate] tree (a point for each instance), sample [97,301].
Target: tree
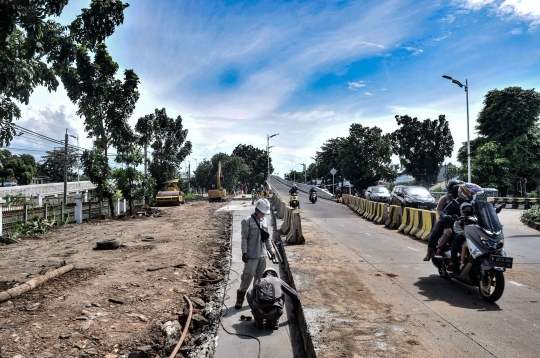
[257,160]
[127,178]
[508,145]
[54,164]
[328,158]
[105,102]
[167,138]
[96,166]
[508,113]
[22,167]
[35,48]
[422,146]
[365,156]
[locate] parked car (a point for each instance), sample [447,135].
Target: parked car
[413,196]
[377,193]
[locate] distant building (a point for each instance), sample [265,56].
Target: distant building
[41,180]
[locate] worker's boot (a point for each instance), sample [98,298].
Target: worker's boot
[273,324]
[239,299]
[258,323]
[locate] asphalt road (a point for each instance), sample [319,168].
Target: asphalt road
[451,317]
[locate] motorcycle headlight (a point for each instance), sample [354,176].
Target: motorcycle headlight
[488,243]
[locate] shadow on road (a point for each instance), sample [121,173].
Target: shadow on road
[436,288]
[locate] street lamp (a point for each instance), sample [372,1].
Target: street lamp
[468,136]
[268,151]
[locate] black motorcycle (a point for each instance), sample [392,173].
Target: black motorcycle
[486,260]
[313,197]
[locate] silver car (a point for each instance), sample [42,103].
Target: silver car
[377,193]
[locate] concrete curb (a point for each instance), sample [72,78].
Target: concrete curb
[308,343]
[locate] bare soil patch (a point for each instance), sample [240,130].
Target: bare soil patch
[115,301]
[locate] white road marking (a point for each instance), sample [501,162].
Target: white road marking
[516,283]
[368,234]
[412,248]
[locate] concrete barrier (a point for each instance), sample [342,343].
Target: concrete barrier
[285,226]
[416,222]
[380,213]
[515,202]
[362,208]
[405,220]
[281,206]
[429,218]
[295,236]
[393,220]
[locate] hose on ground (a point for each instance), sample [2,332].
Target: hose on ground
[179,344]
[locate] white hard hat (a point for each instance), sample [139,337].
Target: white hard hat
[268,270]
[263,205]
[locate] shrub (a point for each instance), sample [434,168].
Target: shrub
[531,216]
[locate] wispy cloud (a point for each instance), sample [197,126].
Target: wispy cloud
[516,31]
[369,94]
[414,50]
[397,109]
[524,10]
[448,19]
[356,85]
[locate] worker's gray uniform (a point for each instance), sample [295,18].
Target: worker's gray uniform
[255,249]
[271,311]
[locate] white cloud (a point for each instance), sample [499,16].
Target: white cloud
[449,19]
[414,50]
[516,31]
[356,85]
[369,94]
[397,109]
[473,4]
[384,89]
[526,10]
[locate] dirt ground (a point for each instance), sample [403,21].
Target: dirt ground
[348,320]
[110,304]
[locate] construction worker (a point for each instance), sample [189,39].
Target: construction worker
[256,246]
[267,298]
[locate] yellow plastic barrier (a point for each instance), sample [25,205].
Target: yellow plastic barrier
[372,211]
[406,220]
[379,217]
[362,206]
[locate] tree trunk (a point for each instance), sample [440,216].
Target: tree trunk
[111,205]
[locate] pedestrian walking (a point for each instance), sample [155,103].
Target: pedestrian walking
[267,298]
[256,246]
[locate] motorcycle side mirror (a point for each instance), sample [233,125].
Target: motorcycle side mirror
[499,208]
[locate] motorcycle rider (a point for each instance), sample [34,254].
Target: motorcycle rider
[467,212]
[440,228]
[294,190]
[312,190]
[466,194]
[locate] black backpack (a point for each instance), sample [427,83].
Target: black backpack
[265,292]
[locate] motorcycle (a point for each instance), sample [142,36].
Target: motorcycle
[294,202]
[487,259]
[313,197]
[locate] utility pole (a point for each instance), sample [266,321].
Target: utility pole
[66,166]
[189,177]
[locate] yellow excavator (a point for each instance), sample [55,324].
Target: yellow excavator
[171,194]
[216,192]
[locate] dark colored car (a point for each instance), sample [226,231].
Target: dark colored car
[413,196]
[377,193]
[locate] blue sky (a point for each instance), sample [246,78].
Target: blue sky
[239,70]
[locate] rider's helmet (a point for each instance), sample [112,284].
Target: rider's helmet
[451,184]
[270,271]
[295,186]
[263,206]
[313,187]
[466,209]
[468,191]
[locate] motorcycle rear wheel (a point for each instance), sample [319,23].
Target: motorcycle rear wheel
[494,288]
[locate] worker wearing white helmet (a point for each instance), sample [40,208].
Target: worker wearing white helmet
[256,246]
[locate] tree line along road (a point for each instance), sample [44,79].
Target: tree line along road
[447,317]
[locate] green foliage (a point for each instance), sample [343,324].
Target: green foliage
[365,156]
[22,167]
[54,164]
[257,162]
[167,138]
[531,216]
[508,113]
[18,200]
[509,144]
[533,194]
[96,166]
[36,48]
[422,146]
[233,169]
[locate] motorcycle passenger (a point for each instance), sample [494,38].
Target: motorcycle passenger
[440,228]
[467,212]
[294,190]
[466,194]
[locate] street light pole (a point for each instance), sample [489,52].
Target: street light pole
[268,151]
[468,134]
